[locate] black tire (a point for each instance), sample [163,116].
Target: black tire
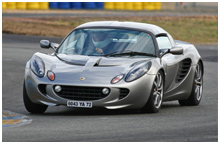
[30,106]
[150,106]
[197,89]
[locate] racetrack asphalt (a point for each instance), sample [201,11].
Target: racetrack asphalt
[172,123]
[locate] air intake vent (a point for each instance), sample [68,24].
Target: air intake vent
[123,93]
[183,69]
[42,88]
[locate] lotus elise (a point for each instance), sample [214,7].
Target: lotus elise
[114,65]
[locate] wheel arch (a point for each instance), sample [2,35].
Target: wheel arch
[163,72]
[200,61]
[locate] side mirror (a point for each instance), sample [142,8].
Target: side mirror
[45,44]
[176,50]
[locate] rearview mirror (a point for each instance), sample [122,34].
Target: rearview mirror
[45,44]
[176,50]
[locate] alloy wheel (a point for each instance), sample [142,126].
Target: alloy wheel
[158,91]
[198,82]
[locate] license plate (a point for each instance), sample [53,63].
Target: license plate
[79,104]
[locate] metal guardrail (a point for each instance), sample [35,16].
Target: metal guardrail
[197,5]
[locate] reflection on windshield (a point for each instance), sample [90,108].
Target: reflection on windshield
[100,42]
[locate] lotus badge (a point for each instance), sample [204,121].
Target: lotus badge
[82,78]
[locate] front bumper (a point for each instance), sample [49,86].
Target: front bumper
[139,92]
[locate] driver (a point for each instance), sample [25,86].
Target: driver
[101,41]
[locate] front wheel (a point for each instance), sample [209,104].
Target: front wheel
[155,100]
[197,89]
[30,106]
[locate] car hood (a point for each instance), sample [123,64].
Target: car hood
[91,68]
[91,61]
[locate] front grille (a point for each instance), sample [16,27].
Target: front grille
[86,93]
[81,93]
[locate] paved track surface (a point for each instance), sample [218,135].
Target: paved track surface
[172,123]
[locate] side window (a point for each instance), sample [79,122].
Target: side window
[163,42]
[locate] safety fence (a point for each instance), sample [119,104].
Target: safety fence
[83,5]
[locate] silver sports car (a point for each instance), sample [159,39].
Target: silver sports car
[114,65]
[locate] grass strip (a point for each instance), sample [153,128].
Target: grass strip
[194,29]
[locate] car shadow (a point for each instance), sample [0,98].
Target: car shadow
[89,112]
[65,111]
[170,105]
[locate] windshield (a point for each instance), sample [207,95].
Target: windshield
[103,42]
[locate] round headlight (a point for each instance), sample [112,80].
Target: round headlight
[105,91]
[57,88]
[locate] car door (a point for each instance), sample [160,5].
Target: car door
[169,61]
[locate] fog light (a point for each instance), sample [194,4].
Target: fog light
[58,88]
[105,91]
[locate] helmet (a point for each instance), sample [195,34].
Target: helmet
[100,39]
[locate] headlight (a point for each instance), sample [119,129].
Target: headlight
[37,66]
[138,72]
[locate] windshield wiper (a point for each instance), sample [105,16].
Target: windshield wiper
[114,53]
[130,53]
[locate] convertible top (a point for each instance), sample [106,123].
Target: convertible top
[113,24]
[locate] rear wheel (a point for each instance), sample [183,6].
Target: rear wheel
[197,89]
[30,106]
[155,100]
